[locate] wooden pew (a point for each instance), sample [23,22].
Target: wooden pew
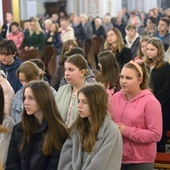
[26,55]
[97,45]
[162,161]
[50,55]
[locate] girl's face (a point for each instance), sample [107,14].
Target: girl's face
[83,106]
[111,37]
[129,81]
[23,79]
[151,51]
[143,47]
[73,74]
[30,104]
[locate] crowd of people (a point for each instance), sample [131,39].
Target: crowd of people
[113,116]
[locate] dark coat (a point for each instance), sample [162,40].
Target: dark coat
[10,71]
[4,30]
[121,28]
[123,57]
[99,32]
[134,48]
[160,84]
[1,38]
[56,40]
[31,158]
[79,33]
[35,40]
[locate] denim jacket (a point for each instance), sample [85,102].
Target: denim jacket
[17,105]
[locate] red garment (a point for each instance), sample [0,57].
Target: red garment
[17,38]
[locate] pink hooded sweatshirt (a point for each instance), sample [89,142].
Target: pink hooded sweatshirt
[142,117]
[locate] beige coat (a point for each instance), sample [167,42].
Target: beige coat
[5,139]
[8,94]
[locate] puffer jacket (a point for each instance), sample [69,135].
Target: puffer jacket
[32,157]
[8,94]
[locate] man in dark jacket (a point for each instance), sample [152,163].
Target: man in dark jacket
[6,27]
[79,31]
[132,39]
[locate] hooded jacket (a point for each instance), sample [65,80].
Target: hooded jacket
[10,71]
[142,117]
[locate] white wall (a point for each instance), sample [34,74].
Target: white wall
[90,7]
[70,6]
[94,7]
[1,13]
[28,8]
[116,6]
[148,4]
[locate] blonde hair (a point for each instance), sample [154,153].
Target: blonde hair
[37,26]
[120,43]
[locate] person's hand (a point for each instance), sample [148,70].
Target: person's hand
[60,29]
[31,48]
[26,48]
[121,127]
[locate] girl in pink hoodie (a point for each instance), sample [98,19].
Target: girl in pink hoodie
[138,116]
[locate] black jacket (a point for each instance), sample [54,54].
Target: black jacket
[4,30]
[160,84]
[123,57]
[134,48]
[79,32]
[99,32]
[31,158]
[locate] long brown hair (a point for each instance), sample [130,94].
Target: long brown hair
[56,132]
[120,43]
[110,69]
[159,60]
[65,48]
[97,99]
